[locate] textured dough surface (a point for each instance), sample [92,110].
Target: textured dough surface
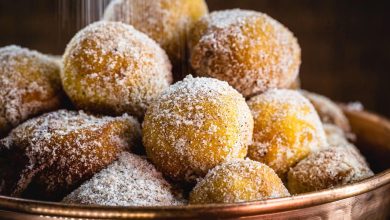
[286,129]
[50,155]
[29,85]
[195,125]
[238,181]
[111,68]
[248,49]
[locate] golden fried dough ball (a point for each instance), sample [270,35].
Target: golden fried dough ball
[327,169]
[195,125]
[29,85]
[129,181]
[248,49]
[165,21]
[50,155]
[328,111]
[238,181]
[111,68]
[286,129]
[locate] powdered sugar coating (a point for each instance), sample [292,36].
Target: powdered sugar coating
[165,21]
[111,68]
[329,168]
[328,111]
[286,129]
[57,151]
[29,85]
[195,125]
[248,49]
[238,181]
[129,181]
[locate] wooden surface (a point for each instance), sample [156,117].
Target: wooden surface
[345,44]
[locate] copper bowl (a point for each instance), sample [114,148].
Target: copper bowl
[369,199]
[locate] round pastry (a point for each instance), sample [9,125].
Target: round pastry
[29,85]
[328,111]
[286,129]
[195,125]
[129,181]
[165,21]
[248,49]
[326,169]
[238,181]
[50,155]
[111,68]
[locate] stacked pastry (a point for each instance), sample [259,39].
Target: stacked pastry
[104,125]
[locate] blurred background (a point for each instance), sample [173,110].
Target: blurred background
[345,44]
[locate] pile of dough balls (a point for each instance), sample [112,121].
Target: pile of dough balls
[105,125]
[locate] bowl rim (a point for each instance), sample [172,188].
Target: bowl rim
[34,207]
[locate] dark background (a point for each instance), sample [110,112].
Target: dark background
[345,44]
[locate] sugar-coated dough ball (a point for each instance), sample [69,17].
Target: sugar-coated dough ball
[286,129]
[327,169]
[29,85]
[165,21]
[129,181]
[248,49]
[238,181]
[195,125]
[48,156]
[328,111]
[111,68]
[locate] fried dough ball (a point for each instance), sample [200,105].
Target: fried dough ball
[328,111]
[327,169]
[248,49]
[111,68]
[195,125]
[129,181]
[286,129]
[165,21]
[29,85]
[238,181]
[50,155]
